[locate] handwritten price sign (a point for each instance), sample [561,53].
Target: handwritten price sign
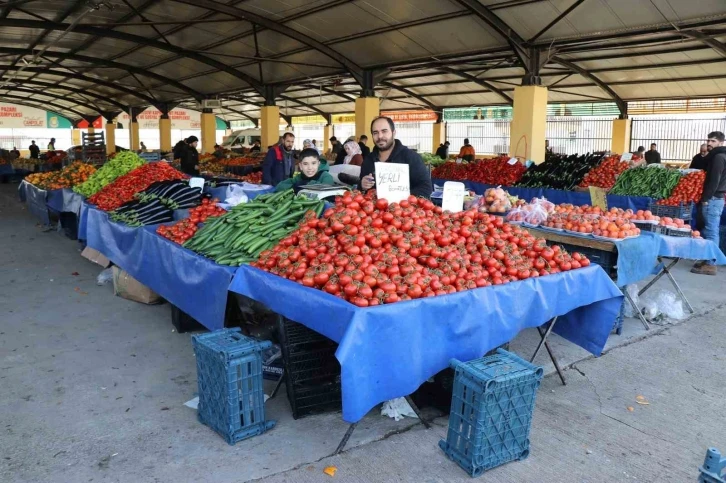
[392,182]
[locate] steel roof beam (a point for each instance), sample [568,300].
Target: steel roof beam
[62,87]
[481,82]
[410,93]
[622,105]
[556,20]
[113,65]
[39,103]
[719,47]
[78,102]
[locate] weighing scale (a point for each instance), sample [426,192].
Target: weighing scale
[323,191]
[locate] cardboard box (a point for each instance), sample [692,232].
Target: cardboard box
[96,257]
[126,286]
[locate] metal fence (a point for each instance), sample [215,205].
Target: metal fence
[677,140]
[488,137]
[416,135]
[579,135]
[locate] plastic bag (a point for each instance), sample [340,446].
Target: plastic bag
[397,409]
[662,304]
[235,195]
[633,292]
[105,276]
[518,214]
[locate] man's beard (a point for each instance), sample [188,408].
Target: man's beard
[387,146]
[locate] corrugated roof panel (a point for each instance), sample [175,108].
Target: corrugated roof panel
[674,90]
[279,8]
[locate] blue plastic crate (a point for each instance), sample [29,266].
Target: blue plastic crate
[491,411]
[714,468]
[229,375]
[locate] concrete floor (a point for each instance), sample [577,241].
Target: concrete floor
[93,388]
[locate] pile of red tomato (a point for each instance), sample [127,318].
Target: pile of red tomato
[125,187]
[184,229]
[254,178]
[603,175]
[370,253]
[689,189]
[495,171]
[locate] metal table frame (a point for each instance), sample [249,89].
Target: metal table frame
[665,270]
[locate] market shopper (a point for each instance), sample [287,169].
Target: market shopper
[652,156]
[467,152]
[178,149]
[315,146]
[362,143]
[312,171]
[218,151]
[443,150]
[699,160]
[256,146]
[388,149]
[142,146]
[353,154]
[34,150]
[189,156]
[335,146]
[279,162]
[712,199]
[14,153]
[51,144]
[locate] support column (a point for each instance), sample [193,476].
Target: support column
[529,123]
[75,137]
[366,109]
[327,134]
[110,137]
[209,131]
[91,129]
[134,135]
[269,126]
[439,135]
[165,132]
[621,136]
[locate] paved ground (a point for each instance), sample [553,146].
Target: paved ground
[93,388]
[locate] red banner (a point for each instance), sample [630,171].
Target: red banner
[411,116]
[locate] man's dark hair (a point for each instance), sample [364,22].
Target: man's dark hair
[309,153]
[256,141]
[717,135]
[447,143]
[363,136]
[332,139]
[288,135]
[388,119]
[33,141]
[466,141]
[641,148]
[653,144]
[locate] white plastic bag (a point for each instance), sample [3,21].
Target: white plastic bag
[662,303]
[105,276]
[397,409]
[235,195]
[633,292]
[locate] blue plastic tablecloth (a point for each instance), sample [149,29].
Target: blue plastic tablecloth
[6,169]
[54,200]
[577,198]
[196,285]
[636,258]
[36,199]
[221,192]
[689,248]
[389,351]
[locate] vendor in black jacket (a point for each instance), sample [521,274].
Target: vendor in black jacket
[390,150]
[189,157]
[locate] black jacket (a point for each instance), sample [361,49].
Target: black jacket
[443,151]
[698,162]
[419,176]
[364,150]
[190,160]
[340,157]
[34,151]
[179,149]
[652,157]
[715,184]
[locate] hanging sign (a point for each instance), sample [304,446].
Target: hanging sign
[598,197]
[149,119]
[16,116]
[343,118]
[410,116]
[454,193]
[392,181]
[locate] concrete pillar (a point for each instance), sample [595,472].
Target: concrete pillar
[327,134]
[439,135]
[209,132]
[529,123]
[134,135]
[621,136]
[110,137]
[165,132]
[366,109]
[91,129]
[76,137]
[269,126]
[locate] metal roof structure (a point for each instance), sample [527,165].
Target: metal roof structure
[83,58]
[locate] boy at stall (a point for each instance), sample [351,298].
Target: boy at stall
[312,171]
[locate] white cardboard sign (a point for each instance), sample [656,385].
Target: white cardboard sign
[626,157]
[512,161]
[454,193]
[196,183]
[392,182]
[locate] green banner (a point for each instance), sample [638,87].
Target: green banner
[56,121]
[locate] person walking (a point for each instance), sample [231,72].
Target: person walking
[51,144]
[364,149]
[652,156]
[712,199]
[279,162]
[467,152]
[388,149]
[335,146]
[699,160]
[34,150]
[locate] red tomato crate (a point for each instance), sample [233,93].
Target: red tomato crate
[229,375]
[491,411]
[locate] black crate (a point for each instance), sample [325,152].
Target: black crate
[183,322]
[69,223]
[680,233]
[607,260]
[682,211]
[651,227]
[312,373]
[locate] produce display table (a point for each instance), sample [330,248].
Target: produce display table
[196,285]
[251,190]
[38,199]
[388,351]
